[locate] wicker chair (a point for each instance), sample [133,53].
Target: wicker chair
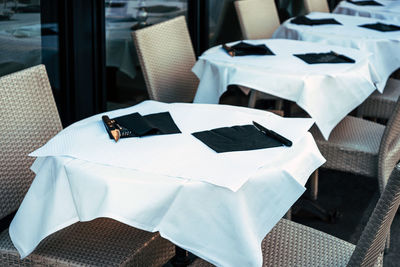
[362,147]
[293,244]
[379,105]
[29,118]
[166,56]
[316,6]
[258,20]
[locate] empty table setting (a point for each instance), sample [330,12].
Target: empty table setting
[381,38]
[326,81]
[379,9]
[186,170]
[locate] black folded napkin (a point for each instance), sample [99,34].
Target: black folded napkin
[136,125]
[161,9]
[245,49]
[303,20]
[381,27]
[320,58]
[365,3]
[236,138]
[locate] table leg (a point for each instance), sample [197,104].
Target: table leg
[182,258]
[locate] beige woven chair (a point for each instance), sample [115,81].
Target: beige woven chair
[293,244]
[316,6]
[166,56]
[258,20]
[379,105]
[29,118]
[362,147]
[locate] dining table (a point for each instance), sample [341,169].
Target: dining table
[218,206]
[378,9]
[365,34]
[326,91]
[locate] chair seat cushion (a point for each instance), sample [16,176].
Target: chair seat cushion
[293,244]
[381,105]
[353,146]
[101,242]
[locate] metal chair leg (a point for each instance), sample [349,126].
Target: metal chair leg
[314,185]
[253,99]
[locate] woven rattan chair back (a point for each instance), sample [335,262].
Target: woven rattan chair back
[372,241]
[166,56]
[258,18]
[389,150]
[316,6]
[29,118]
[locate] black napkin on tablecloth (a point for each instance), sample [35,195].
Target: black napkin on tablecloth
[236,138]
[303,20]
[246,49]
[365,3]
[381,27]
[320,58]
[152,124]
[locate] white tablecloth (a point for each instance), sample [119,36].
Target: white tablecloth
[389,11]
[327,92]
[220,225]
[384,46]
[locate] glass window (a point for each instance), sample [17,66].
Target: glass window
[125,83]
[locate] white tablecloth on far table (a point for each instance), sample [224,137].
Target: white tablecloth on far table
[389,11]
[384,46]
[327,92]
[222,226]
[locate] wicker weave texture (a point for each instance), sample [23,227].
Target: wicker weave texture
[293,244]
[316,6]
[372,241]
[166,56]
[389,151]
[258,18]
[29,118]
[353,146]
[381,105]
[101,242]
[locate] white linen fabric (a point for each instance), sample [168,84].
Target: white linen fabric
[222,226]
[389,11]
[327,92]
[180,155]
[384,46]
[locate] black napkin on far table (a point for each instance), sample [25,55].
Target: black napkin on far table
[365,3]
[303,20]
[136,125]
[320,58]
[381,27]
[161,9]
[236,138]
[246,49]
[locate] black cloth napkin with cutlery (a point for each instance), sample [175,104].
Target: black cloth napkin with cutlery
[236,138]
[320,58]
[136,125]
[303,20]
[246,49]
[365,3]
[381,27]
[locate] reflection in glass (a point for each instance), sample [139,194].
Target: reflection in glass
[125,84]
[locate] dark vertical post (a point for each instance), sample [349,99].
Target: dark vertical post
[82,58]
[198,20]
